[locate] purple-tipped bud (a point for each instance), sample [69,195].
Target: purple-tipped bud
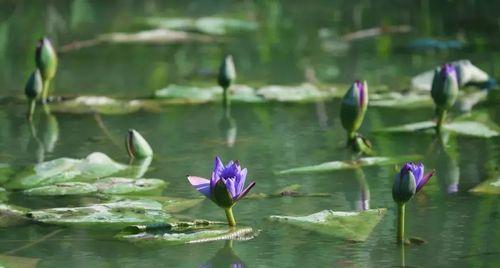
[444,89]
[46,58]
[409,181]
[353,107]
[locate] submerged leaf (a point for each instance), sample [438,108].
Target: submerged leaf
[111,214]
[487,187]
[339,165]
[189,233]
[353,225]
[95,165]
[465,128]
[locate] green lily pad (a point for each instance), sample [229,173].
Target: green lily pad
[288,191]
[11,215]
[208,25]
[121,186]
[187,233]
[110,214]
[64,188]
[95,165]
[8,261]
[352,225]
[487,187]
[302,93]
[170,204]
[96,104]
[352,164]
[465,128]
[399,100]
[190,93]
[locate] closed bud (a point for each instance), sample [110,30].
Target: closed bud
[137,146]
[404,186]
[34,86]
[46,59]
[353,107]
[444,90]
[227,72]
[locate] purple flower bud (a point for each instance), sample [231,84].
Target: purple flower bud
[444,89]
[409,181]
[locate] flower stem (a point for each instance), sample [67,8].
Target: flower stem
[230,217]
[441,113]
[45,91]
[226,101]
[401,223]
[31,109]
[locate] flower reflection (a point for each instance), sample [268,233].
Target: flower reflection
[46,138]
[358,193]
[228,128]
[225,257]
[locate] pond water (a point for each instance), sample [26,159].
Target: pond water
[461,229]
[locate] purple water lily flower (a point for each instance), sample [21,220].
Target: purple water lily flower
[226,186]
[418,172]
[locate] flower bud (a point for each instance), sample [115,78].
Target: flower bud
[444,89]
[227,72]
[221,195]
[46,59]
[404,186]
[353,107]
[137,146]
[34,86]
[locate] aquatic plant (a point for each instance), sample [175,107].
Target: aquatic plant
[227,75]
[444,91]
[46,62]
[33,88]
[137,146]
[409,181]
[226,186]
[352,113]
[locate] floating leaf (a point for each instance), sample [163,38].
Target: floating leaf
[352,225]
[352,164]
[399,100]
[64,188]
[110,214]
[302,93]
[488,187]
[96,104]
[466,128]
[95,165]
[288,191]
[191,93]
[11,215]
[208,25]
[188,232]
[170,204]
[115,185]
[8,261]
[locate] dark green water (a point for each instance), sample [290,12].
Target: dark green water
[462,229]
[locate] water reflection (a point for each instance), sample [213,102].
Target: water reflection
[444,155]
[225,257]
[44,140]
[227,125]
[142,166]
[358,191]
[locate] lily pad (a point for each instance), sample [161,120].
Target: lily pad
[170,204]
[487,187]
[188,233]
[400,100]
[11,215]
[339,165]
[95,165]
[352,225]
[96,104]
[192,93]
[465,128]
[302,93]
[111,214]
[64,188]
[8,261]
[208,25]
[121,186]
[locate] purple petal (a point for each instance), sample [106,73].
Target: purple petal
[240,182]
[231,187]
[424,180]
[245,192]
[418,171]
[201,184]
[361,92]
[217,171]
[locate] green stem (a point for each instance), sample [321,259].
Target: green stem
[230,217]
[45,91]
[351,138]
[31,109]
[226,101]
[402,255]
[441,113]
[401,223]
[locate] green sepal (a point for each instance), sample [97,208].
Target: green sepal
[221,195]
[34,86]
[137,146]
[404,187]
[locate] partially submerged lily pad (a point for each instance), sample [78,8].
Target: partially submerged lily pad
[11,215]
[122,186]
[64,188]
[488,187]
[339,165]
[465,128]
[352,226]
[96,104]
[208,25]
[95,165]
[302,93]
[110,214]
[400,100]
[188,233]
